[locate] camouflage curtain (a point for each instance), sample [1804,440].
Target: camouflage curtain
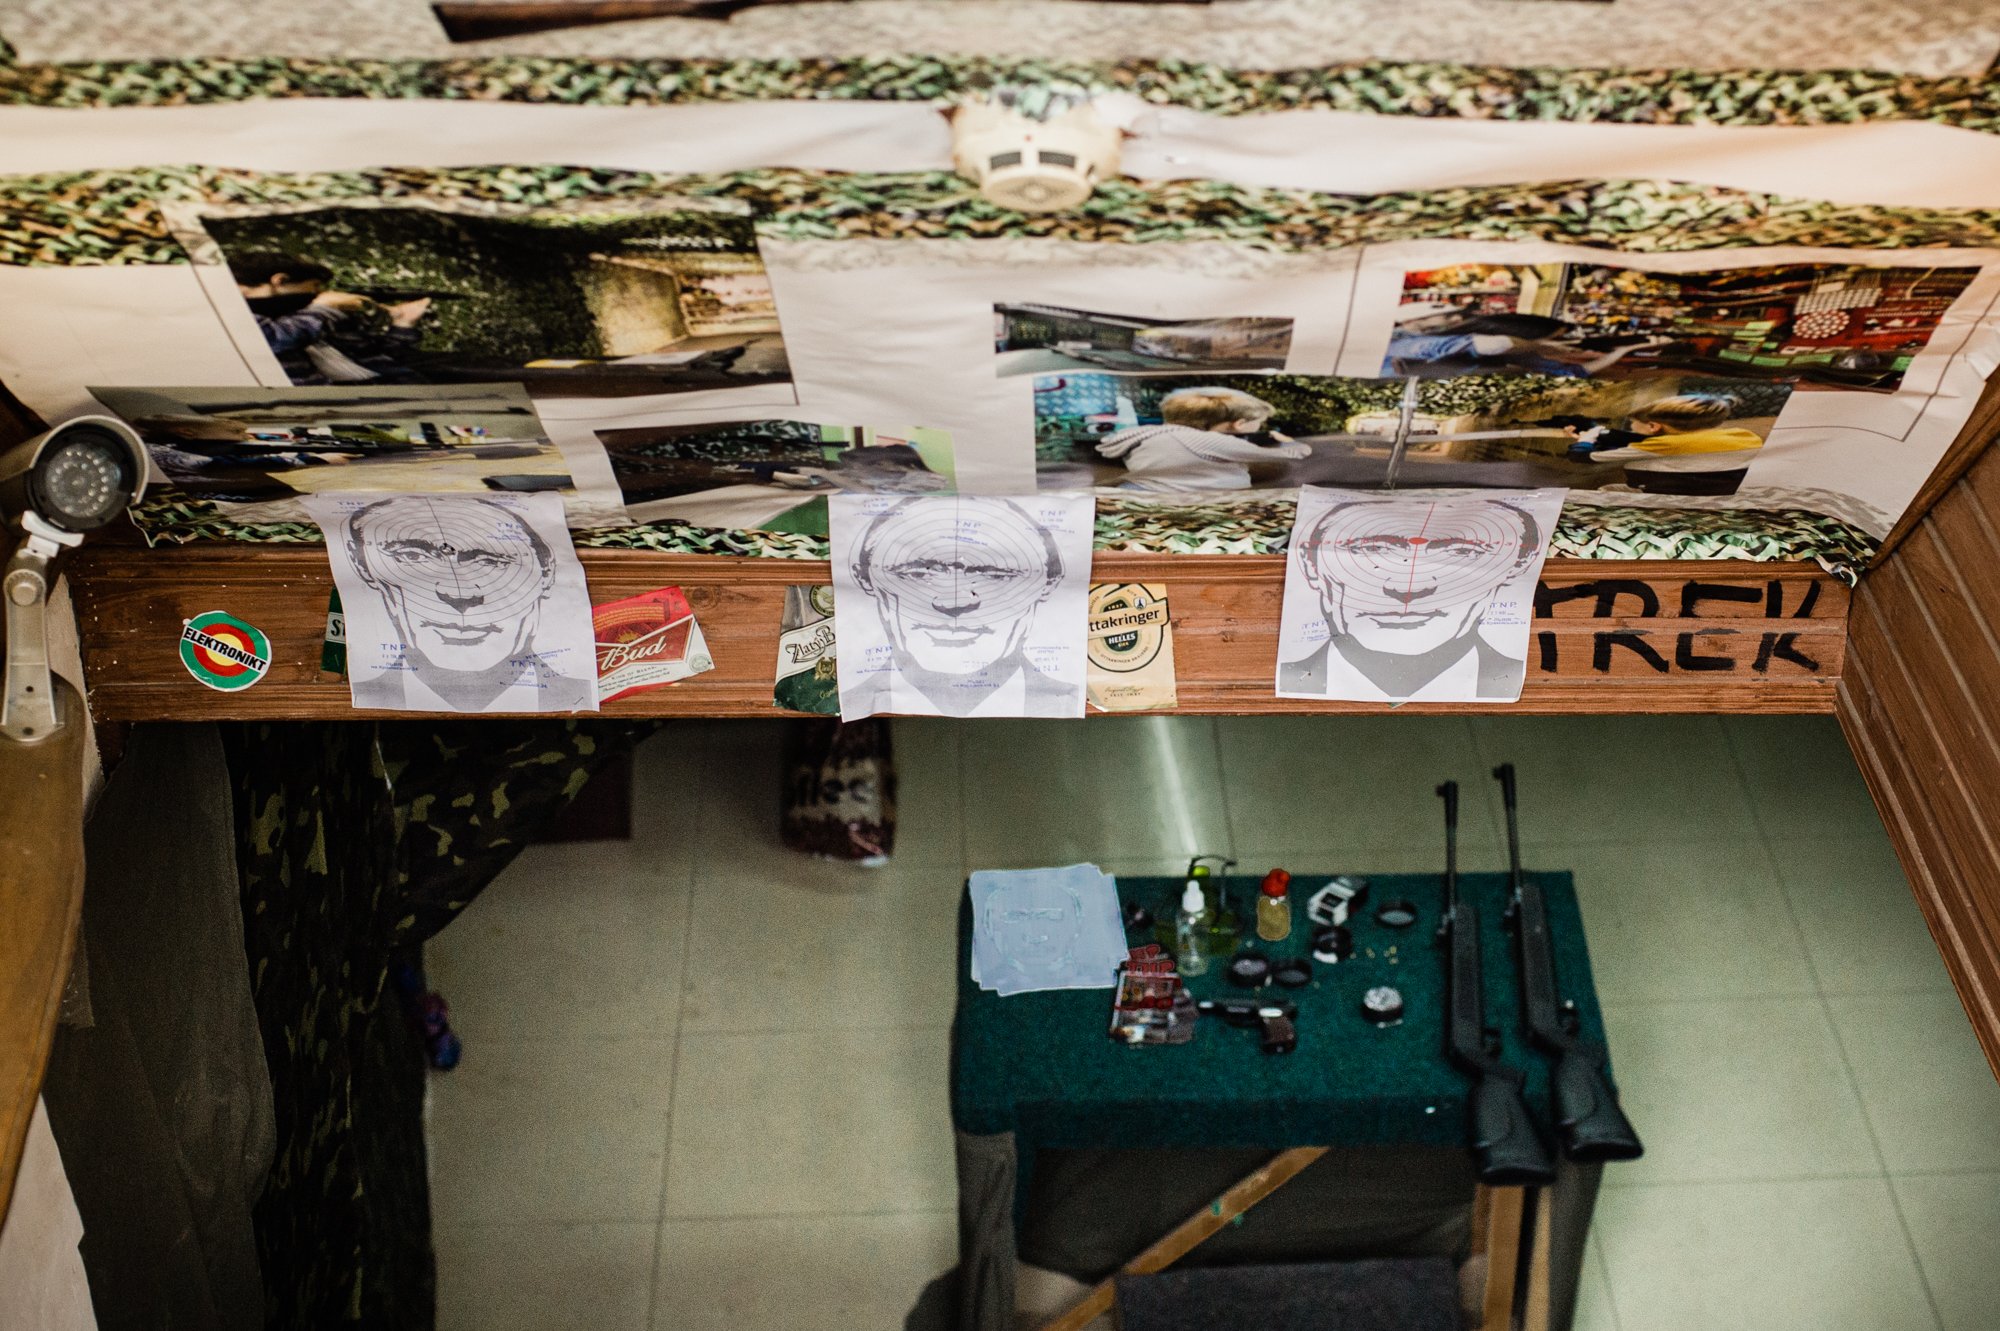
[355,841]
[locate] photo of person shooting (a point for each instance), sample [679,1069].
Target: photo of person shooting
[321,335]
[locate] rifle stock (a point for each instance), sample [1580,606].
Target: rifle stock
[1504,1142]
[1588,1115]
[1506,1149]
[1590,1123]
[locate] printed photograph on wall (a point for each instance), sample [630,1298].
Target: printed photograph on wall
[772,475]
[1840,325]
[267,446]
[1664,433]
[1041,339]
[571,303]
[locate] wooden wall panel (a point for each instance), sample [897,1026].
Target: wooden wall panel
[1920,702]
[1608,637]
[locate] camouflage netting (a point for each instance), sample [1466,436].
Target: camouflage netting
[1239,525]
[1650,97]
[113,217]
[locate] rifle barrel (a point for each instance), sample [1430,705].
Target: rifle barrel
[1589,1120]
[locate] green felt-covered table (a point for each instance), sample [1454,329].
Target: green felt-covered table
[1042,1067]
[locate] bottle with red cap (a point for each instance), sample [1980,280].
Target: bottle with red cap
[1274,907]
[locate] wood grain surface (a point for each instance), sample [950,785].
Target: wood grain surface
[1921,707]
[41,899]
[1610,636]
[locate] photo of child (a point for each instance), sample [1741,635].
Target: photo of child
[1664,433]
[1206,439]
[1679,445]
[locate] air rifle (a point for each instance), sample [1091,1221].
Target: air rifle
[1505,1149]
[1588,1120]
[387,295]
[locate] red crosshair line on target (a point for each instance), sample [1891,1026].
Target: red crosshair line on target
[1417,544]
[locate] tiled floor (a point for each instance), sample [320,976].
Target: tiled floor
[670,1117]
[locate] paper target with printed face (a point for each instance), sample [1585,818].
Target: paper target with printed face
[1424,594]
[461,604]
[961,606]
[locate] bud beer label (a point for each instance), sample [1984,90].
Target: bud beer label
[223,652]
[646,641]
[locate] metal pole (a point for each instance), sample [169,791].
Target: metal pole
[1404,418]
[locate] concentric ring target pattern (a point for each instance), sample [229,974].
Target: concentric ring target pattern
[961,605]
[982,565]
[460,603]
[452,563]
[1428,595]
[1454,554]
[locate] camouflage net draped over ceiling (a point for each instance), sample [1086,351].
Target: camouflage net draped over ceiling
[112,217]
[1483,92]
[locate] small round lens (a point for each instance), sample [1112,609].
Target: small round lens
[84,480]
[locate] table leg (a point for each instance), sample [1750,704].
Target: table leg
[1190,1233]
[1497,1214]
[1535,1306]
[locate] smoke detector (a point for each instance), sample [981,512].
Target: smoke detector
[1036,150]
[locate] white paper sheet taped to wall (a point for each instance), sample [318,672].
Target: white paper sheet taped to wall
[460,604]
[1412,596]
[961,606]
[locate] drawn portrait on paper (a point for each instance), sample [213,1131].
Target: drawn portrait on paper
[1391,597]
[460,604]
[967,606]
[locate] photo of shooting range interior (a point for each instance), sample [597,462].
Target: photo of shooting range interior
[1827,324]
[999,665]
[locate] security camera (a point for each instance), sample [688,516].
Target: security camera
[58,485]
[74,478]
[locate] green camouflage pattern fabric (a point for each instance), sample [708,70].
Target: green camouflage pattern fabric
[1236,526]
[1646,97]
[1260,526]
[357,841]
[112,217]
